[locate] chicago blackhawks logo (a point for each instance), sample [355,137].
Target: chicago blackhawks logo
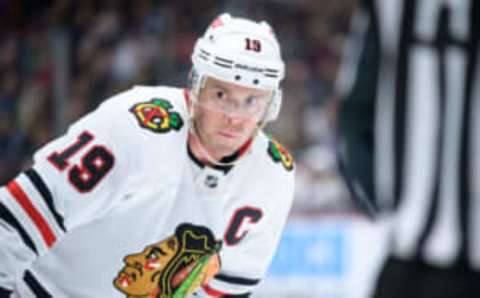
[280,154]
[155,115]
[172,268]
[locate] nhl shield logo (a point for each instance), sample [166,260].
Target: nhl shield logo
[156,115]
[211,181]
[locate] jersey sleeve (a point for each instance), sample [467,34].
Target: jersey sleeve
[249,259]
[74,179]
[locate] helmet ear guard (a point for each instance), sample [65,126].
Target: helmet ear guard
[192,81]
[275,106]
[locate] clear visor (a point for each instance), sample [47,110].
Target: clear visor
[246,104]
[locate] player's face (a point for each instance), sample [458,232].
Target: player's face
[226,115]
[141,274]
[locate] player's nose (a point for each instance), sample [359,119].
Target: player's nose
[233,119]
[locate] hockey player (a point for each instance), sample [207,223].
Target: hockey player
[160,192]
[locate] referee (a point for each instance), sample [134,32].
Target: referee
[409,140]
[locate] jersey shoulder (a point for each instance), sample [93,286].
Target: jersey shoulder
[274,167]
[155,109]
[273,184]
[138,113]
[150,120]
[138,125]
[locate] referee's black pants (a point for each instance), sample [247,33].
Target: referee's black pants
[410,279]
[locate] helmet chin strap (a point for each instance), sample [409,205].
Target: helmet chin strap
[194,132]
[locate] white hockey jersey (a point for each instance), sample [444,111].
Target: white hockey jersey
[106,207]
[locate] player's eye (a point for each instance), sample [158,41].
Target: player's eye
[251,101]
[220,94]
[152,256]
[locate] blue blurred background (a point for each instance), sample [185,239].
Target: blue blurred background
[60,59]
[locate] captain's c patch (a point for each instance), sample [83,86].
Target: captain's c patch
[279,154]
[156,115]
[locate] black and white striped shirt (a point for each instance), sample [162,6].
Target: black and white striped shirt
[409,131]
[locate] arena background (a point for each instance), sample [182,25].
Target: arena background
[60,59]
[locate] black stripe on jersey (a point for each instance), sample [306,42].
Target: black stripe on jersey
[4,293]
[237,280]
[224,168]
[355,128]
[246,295]
[401,93]
[42,188]
[35,285]
[8,217]
[466,180]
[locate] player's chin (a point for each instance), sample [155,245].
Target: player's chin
[225,140]
[233,144]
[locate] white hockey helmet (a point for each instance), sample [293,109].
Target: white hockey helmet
[242,52]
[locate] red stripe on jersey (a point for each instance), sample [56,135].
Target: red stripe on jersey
[245,147]
[186,96]
[212,292]
[40,222]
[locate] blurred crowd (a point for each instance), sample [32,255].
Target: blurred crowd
[60,59]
